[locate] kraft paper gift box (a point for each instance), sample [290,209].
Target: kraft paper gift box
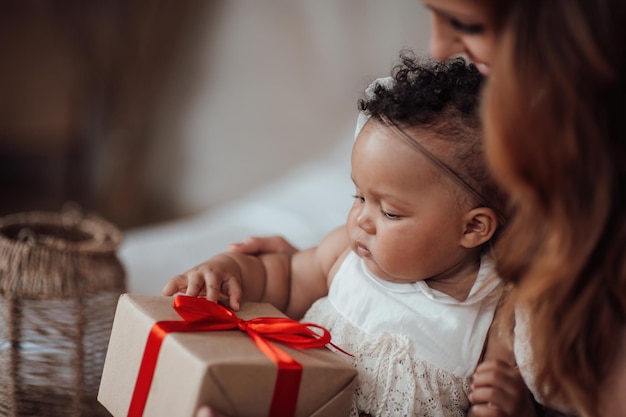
[223,368]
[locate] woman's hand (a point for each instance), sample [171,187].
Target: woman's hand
[254,245]
[498,390]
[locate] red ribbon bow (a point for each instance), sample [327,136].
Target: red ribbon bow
[200,315]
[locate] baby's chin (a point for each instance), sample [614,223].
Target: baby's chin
[384,275]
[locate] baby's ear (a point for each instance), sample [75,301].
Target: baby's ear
[480,225]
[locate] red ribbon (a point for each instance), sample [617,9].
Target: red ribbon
[200,315]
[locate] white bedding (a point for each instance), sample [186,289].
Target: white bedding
[302,206]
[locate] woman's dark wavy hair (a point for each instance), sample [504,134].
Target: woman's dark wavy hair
[442,98]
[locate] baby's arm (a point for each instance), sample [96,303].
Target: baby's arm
[226,275]
[291,282]
[311,272]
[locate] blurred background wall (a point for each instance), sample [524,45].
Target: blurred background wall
[148,110]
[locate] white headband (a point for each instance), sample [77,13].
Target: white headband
[387,83]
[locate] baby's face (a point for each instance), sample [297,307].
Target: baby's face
[405,222]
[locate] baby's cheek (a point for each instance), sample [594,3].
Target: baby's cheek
[399,263]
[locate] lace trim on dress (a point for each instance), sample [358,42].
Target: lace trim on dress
[391,381]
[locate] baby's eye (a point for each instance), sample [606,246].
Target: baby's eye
[391,216]
[358,197]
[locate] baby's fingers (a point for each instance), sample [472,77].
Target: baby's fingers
[176,284]
[235,296]
[196,283]
[223,287]
[217,285]
[500,376]
[499,390]
[489,402]
[485,410]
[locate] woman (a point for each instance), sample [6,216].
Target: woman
[556,139]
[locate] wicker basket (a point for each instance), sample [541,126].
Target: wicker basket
[60,280]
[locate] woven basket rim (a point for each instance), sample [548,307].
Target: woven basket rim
[102,236]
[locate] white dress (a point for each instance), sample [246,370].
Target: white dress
[524,358]
[415,348]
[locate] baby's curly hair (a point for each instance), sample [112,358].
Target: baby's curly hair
[425,92]
[441,98]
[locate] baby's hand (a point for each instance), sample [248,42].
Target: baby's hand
[498,390]
[218,278]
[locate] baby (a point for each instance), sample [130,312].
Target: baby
[407,286]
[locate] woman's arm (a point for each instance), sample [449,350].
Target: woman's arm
[255,245]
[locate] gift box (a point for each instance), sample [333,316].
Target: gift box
[154,371]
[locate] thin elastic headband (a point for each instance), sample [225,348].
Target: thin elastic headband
[443,167]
